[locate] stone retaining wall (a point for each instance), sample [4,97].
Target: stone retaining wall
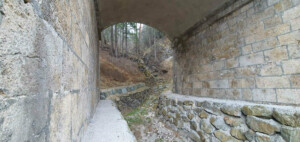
[214,120]
[133,99]
[251,53]
[104,93]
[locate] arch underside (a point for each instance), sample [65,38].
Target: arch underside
[173,17]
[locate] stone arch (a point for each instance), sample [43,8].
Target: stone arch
[173,17]
[115,23]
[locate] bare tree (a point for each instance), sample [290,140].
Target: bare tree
[126,38]
[116,40]
[112,39]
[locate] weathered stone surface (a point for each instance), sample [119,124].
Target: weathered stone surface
[219,123]
[224,137]
[287,117]
[188,102]
[290,134]
[260,137]
[238,133]
[291,66]
[288,96]
[276,54]
[252,59]
[185,119]
[294,50]
[289,38]
[164,112]
[204,137]
[264,95]
[250,135]
[273,82]
[271,69]
[259,111]
[233,122]
[263,125]
[194,125]
[194,136]
[232,110]
[190,116]
[295,79]
[203,114]
[206,126]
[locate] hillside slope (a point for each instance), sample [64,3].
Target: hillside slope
[118,71]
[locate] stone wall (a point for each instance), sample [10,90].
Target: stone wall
[104,93]
[49,69]
[216,120]
[133,99]
[251,53]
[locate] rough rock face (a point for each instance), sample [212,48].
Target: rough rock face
[262,125]
[48,69]
[290,134]
[259,111]
[133,99]
[231,110]
[288,118]
[252,122]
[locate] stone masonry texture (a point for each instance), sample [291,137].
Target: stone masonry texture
[246,51]
[48,69]
[250,54]
[219,120]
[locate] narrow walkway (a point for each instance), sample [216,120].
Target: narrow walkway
[108,125]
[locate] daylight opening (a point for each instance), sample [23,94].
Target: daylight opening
[134,53]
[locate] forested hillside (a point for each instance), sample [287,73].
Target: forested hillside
[126,44]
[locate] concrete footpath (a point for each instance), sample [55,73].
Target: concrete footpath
[108,125]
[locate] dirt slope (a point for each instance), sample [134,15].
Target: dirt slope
[118,71]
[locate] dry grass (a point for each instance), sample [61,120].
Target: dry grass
[118,71]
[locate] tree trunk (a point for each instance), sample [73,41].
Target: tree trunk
[139,39]
[155,52]
[116,40]
[123,38]
[126,30]
[112,39]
